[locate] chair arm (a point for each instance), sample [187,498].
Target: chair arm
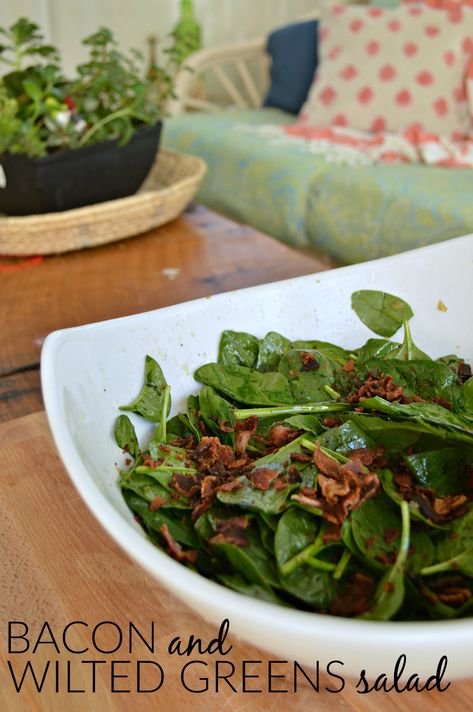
[238,85]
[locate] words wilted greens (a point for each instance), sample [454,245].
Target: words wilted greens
[316,477]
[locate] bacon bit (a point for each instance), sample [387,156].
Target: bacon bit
[439,510]
[441,401]
[187,442]
[388,586]
[262,477]
[244,429]
[454,596]
[229,486]
[128,461]
[209,452]
[368,456]
[293,474]
[331,422]
[281,483]
[349,366]
[332,534]
[384,387]
[185,485]
[464,371]
[308,491]
[309,362]
[231,531]
[281,435]
[175,549]
[149,462]
[390,534]
[370,541]
[137,518]
[300,457]
[207,486]
[222,425]
[293,374]
[342,487]
[357,597]
[156,503]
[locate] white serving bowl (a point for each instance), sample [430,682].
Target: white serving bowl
[87,372]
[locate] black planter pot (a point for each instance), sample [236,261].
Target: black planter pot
[72,179]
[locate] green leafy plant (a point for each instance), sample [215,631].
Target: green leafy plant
[109,98]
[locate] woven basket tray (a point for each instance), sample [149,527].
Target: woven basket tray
[170,186]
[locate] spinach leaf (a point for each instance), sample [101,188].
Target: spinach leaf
[345,437]
[271,349]
[270,501]
[462,562]
[375,348]
[381,312]
[238,349]
[125,436]
[245,385]
[427,379]
[217,413]
[150,401]
[331,351]
[314,587]
[193,415]
[149,488]
[252,561]
[390,591]
[295,531]
[308,372]
[442,470]
[459,539]
[376,528]
[254,590]
[179,525]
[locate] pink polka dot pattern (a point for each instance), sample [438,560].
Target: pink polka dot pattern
[381,69]
[372,47]
[410,49]
[424,78]
[387,72]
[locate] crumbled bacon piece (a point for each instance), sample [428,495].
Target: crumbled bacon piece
[230,486]
[342,488]
[368,456]
[187,443]
[185,485]
[281,435]
[149,462]
[309,362]
[349,366]
[332,534]
[156,503]
[300,457]
[384,387]
[390,534]
[262,477]
[175,549]
[331,422]
[244,430]
[438,509]
[231,531]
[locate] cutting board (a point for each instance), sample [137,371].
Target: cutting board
[61,573]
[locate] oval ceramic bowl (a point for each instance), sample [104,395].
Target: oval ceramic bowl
[87,372]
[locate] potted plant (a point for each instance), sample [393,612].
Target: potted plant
[66,143]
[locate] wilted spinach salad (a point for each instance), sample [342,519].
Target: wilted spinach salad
[312,476]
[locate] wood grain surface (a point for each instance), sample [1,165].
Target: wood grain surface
[58,565]
[197,255]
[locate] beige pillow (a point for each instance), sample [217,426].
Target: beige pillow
[387,69]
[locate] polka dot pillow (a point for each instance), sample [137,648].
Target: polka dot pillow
[386,69]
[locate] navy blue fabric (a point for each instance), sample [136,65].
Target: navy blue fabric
[293,51]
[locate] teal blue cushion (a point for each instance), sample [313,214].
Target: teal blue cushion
[351,213]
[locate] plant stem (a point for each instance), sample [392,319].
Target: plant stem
[309,445]
[111,117]
[302,556]
[342,564]
[321,565]
[332,392]
[329,407]
[143,470]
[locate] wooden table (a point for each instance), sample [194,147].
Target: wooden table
[57,565]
